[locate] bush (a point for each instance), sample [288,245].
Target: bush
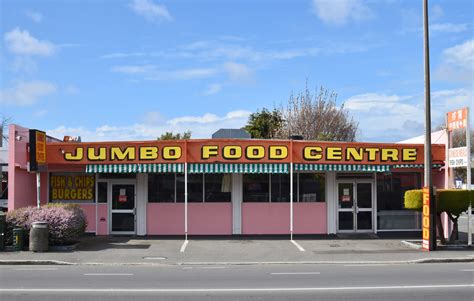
[453,202]
[414,199]
[67,222]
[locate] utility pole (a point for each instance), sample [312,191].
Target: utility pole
[428,178]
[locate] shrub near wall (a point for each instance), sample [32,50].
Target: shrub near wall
[67,222]
[453,202]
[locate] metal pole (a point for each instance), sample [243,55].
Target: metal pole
[428,178]
[468,180]
[38,189]
[186,200]
[291,200]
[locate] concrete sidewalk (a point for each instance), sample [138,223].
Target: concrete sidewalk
[167,251]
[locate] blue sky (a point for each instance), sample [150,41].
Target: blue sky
[131,70]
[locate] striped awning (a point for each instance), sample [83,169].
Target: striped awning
[135,168]
[238,168]
[415,165]
[341,167]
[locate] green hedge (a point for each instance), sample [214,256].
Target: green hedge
[447,200]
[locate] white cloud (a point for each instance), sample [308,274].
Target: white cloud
[213,89]
[26,93]
[151,11]
[436,12]
[382,117]
[133,69]
[40,113]
[458,63]
[34,16]
[200,126]
[340,12]
[393,117]
[153,118]
[183,74]
[20,42]
[461,55]
[238,72]
[448,27]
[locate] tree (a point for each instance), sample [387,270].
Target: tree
[177,136]
[264,124]
[4,122]
[316,117]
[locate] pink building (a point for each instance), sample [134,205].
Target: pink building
[223,186]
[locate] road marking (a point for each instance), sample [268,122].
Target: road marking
[366,265]
[183,247]
[210,268]
[471,270]
[231,290]
[35,269]
[297,273]
[298,246]
[108,274]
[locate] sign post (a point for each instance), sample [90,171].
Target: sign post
[461,156]
[37,141]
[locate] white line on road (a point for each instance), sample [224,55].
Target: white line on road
[297,245]
[210,268]
[183,247]
[365,265]
[297,273]
[108,274]
[471,270]
[35,269]
[230,290]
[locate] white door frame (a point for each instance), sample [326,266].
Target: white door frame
[355,208]
[112,182]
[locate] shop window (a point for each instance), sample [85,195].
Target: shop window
[117,176]
[307,187]
[256,187]
[161,188]
[280,187]
[102,192]
[218,187]
[311,187]
[195,188]
[169,188]
[391,213]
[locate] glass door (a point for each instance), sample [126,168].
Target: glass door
[123,210]
[355,201]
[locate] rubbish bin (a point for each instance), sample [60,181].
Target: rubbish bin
[18,239]
[2,231]
[39,237]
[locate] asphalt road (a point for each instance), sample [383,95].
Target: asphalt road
[257,282]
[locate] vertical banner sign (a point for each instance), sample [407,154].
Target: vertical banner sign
[37,149]
[426,219]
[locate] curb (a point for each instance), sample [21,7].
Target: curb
[240,263]
[35,262]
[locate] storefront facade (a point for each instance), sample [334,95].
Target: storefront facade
[227,186]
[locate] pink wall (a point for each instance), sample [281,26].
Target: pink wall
[203,218]
[102,221]
[265,218]
[22,184]
[89,210]
[165,218]
[309,218]
[274,218]
[210,218]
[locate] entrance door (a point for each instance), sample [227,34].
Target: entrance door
[355,201]
[123,210]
